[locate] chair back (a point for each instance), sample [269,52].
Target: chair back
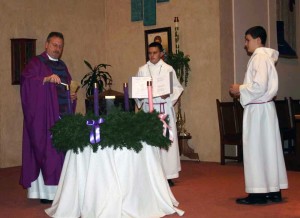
[228,118]
[230,115]
[240,112]
[295,108]
[283,113]
[287,130]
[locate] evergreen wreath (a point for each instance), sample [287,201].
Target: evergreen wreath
[119,130]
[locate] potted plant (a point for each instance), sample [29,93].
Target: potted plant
[180,63]
[97,74]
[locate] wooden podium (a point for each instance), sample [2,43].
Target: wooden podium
[184,148]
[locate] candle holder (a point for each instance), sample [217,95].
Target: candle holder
[176,21]
[181,124]
[182,72]
[180,120]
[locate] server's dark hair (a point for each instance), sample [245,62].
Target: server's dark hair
[258,32]
[156,44]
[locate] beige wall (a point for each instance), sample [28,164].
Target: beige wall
[226,48]
[101,32]
[199,37]
[257,12]
[245,15]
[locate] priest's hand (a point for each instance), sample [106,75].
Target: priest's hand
[73,96]
[52,79]
[234,90]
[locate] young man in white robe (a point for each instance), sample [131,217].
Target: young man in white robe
[163,104]
[264,167]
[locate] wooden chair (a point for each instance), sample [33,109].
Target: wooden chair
[240,112]
[230,129]
[295,108]
[287,130]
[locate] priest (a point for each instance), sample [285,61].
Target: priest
[44,100]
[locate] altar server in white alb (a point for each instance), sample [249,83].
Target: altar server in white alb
[264,167]
[163,104]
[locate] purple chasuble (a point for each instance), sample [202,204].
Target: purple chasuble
[41,111]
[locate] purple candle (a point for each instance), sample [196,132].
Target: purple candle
[96,100]
[69,99]
[126,96]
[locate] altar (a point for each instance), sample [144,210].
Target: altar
[113,184]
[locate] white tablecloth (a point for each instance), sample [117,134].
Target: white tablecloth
[113,184]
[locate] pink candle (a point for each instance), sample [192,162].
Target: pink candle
[150,96]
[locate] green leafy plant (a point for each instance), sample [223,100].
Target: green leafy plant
[180,62]
[119,130]
[99,75]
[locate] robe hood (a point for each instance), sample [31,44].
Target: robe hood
[272,53]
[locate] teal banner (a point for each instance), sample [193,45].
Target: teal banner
[149,12]
[136,10]
[158,1]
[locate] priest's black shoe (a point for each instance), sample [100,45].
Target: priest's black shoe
[46,201]
[274,197]
[171,183]
[253,199]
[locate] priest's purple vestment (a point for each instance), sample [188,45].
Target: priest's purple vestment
[41,111]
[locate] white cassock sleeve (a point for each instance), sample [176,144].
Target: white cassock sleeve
[256,81]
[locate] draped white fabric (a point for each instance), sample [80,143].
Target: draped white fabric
[113,183]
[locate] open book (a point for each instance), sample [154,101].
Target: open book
[161,85]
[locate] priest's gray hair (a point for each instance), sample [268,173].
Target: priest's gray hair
[55,34]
